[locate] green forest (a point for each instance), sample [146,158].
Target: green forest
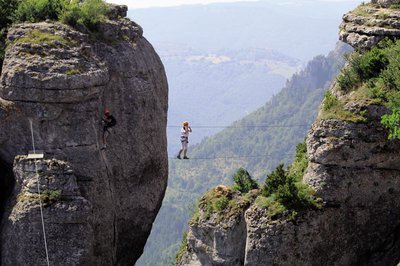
[259,143]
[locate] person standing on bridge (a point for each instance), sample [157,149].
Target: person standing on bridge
[186,129]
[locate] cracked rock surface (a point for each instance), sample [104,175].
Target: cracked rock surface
[68,216]
[370,23]
[61,80]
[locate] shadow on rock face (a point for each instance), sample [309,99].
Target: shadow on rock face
[7,182]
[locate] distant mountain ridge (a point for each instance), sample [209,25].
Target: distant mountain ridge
[300,29]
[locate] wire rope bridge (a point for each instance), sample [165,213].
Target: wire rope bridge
[241,126]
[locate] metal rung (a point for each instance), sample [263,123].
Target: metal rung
[35,155]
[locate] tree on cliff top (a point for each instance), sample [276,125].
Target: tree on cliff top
[243,181]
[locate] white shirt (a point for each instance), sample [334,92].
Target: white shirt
[185,132]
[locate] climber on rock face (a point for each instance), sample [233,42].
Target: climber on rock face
[108,122]
[186,129]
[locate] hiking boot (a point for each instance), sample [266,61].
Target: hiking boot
[179,157]
[185,157]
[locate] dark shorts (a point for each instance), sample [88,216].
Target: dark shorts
[106,129]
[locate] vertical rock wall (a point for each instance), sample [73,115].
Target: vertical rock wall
[63,85]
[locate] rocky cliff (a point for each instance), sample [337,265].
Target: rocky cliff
[68,216]
[369,23]
[353,168]
[99,204]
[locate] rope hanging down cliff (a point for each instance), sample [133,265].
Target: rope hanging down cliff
[40,197]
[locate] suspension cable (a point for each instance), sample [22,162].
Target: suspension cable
[40,198]
[233,157]
[250,126]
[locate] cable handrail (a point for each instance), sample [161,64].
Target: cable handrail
[255,126]
[231,157]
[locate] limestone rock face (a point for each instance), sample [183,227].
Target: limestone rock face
[386,3]
[370,23]
[68,216]
[354,168]
[61,80]
[218,238]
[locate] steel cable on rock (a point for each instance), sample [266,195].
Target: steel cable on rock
[40,198]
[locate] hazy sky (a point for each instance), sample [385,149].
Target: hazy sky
[153,3]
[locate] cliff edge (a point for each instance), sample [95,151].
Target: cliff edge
[370,23]
[103,202]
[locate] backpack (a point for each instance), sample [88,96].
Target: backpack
[113,121]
